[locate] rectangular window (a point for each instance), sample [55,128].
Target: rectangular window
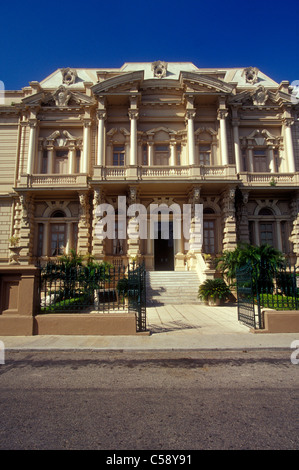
[58,239]
[78,161]
[209,236]
[266,233]
[260,163]
[119,155]
[162,155]
[205,155]
[178,154]
[44,162]
[40,237]
[61,162]
[144,156]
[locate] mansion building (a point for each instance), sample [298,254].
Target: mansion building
[156,133]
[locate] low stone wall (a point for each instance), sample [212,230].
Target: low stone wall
[85,324]
[20,312]
[19,299]
[280,321]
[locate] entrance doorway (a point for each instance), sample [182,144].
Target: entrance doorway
[164,247]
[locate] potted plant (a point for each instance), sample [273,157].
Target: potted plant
[214,291]
[14,250]
[122,291]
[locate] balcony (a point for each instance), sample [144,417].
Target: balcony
[53,180]
[270,179]
[146,173]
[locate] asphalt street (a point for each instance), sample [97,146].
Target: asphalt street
[149,400]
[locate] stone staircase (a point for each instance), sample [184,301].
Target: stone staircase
[171,287]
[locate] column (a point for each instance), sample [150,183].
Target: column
[150,153]
[133,115]
[222,114]
[86,145]
[101,137]
[72,159]
[190,115]
[238,159]
[32,145]
[287,122]
[172,153]
[271,160]
[250,158]
[50,163]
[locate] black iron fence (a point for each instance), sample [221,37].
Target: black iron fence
[277,287]
[266,285]
[95,287]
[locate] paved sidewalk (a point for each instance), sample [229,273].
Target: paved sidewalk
[172,327]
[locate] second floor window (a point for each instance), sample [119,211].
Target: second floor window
[119,155]
[205,155]
[260,163]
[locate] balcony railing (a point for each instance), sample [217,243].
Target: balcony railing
[165,172]
[271,179]
[53,180]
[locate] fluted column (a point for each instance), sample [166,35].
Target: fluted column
[190,115]
[32,145]
[287,123]
[238,159]
[72,158]
[133,115]
[150,154]
[172,153]
[50,159]
[222,115]
[101,137]
[86,145]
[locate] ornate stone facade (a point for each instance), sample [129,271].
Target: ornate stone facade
[168,132]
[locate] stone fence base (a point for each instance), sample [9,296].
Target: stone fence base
[280,321]
[19,310]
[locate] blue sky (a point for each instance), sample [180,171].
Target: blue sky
[38,37]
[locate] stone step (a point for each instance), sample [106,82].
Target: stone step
[172,287]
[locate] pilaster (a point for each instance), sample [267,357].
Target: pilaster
[229,220]
[84,223]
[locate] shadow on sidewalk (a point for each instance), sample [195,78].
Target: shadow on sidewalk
[171,326]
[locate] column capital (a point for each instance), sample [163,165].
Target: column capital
[222,114]
[32,123]
[133,113]
[190,113]
[102,114]
[288,121]
[87,123]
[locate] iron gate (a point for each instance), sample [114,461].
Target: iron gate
[249,311]
[137,295]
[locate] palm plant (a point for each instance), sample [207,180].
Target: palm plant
[264,258]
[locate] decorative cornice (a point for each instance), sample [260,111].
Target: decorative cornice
[215,83]
[114,82]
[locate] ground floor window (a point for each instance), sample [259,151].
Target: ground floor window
[58,239]
[209,236]
[266,233]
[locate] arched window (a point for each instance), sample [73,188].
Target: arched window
[265,211]
[58,213]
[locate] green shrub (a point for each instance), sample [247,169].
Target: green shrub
[214,289]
